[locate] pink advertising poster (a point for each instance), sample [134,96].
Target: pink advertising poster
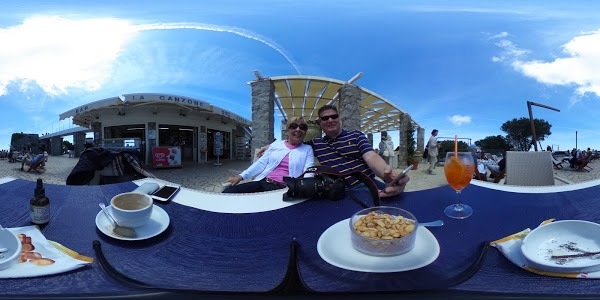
[166,157]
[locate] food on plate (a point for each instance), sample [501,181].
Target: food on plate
[28,247]
[41,261]
[31,255]
[27,253]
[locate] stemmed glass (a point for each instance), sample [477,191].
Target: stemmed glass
[459,170]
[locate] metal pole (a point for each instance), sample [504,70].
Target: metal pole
[576,140]
[529,104]
[532,126]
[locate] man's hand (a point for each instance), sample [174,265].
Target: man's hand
[396,188]
[261,151]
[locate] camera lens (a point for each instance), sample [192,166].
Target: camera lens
[315,187]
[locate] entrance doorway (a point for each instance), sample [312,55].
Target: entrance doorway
[126,136]
[179,135]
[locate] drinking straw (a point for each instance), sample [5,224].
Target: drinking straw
[456,146]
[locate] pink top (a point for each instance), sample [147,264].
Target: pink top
[282,170]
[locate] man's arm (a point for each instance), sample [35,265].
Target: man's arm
[377,164]
[385,172]
[261,151]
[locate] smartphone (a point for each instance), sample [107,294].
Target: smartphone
[165,193]
[402,174]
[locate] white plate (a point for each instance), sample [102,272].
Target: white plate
[551,239]
[159,221]
[335,247]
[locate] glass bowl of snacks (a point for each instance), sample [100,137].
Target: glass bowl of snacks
[383,231]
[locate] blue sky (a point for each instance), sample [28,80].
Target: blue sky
[463,67]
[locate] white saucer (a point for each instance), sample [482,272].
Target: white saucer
[335,247]
[159,221]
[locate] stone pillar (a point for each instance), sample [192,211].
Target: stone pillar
[405,122]
[421,139]
[79,142]
[56,146]
[370,138]
[349,107]
[263,108]
[97,129]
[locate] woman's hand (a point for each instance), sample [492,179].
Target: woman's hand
[234,179]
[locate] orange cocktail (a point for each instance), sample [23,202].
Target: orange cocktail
[458,172]
[458,168]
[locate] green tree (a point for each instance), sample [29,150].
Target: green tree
[493,142]
[409,135]
[519,133]
[448,146]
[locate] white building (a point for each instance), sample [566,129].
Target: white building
[148,120]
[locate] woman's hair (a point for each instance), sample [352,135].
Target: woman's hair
[298,120]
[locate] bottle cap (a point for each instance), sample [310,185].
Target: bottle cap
[39,189]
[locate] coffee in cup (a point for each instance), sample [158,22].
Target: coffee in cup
[131,209]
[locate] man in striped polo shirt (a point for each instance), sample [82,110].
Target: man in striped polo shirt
[349,150]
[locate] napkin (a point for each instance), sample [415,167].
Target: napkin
[50,257]
[510,247]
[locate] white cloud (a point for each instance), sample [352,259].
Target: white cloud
[510,51]
[57,53]
[503,34]
[459,120]
[578,67]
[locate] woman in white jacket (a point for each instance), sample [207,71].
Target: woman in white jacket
[287,158]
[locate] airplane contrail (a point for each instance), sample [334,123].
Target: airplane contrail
[218,28]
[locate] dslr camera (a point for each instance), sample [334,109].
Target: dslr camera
[320,186]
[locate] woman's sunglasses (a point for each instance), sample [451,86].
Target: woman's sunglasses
[326,118]
[303,127]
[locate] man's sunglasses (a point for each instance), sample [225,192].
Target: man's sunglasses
[303,127]
[326,118]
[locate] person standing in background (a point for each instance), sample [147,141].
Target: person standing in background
[432,150]
[386,147]
[389,146]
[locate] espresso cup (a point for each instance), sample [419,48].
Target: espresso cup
[131,209]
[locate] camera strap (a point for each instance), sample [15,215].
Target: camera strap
[373,190]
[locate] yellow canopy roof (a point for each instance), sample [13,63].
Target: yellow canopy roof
[298,95]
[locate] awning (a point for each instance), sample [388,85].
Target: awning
[104,103]
[186,102]
[235,117]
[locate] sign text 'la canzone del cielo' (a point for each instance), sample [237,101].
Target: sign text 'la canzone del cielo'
[175,99]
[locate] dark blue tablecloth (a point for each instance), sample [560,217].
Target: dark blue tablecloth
[209,251]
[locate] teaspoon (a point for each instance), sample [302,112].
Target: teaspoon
[118,229]
[432,223]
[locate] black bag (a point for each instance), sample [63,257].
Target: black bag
[425,153]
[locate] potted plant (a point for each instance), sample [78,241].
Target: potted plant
[412,156]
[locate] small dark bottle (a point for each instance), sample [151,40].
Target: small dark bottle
[39,206]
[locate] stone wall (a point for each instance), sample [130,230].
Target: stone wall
[349,108]
[27,141]
[263,121]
